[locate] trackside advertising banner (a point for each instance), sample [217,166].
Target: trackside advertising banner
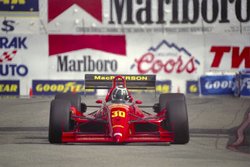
[9,87]
[148,16]
[216,85]
[175,40]
[23,57]
[192,87]
[165,56]
[19,25]
[19,7]
[227,52]
[245,85]
[161,87]
[178,40]
[52,87]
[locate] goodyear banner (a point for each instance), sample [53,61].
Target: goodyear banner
[17,7]
[192,87]
[245,85]
[9,88]
[216,85]
[52,87]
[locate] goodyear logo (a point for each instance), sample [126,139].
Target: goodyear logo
[9,88]
[51,87]
[192,87]
[216,85]
[19,5]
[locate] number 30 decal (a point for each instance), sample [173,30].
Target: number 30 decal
[118,114]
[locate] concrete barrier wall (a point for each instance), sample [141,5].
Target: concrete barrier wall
[175,40]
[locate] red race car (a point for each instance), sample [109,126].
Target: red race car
[119,118]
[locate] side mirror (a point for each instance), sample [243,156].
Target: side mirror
[99,101]
[138,102]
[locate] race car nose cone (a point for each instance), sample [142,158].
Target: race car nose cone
[118,137]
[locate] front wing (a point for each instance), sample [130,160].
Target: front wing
[74,137]
[158,135]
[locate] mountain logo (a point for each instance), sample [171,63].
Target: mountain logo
[168,58]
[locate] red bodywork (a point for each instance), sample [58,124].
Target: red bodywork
[118,123]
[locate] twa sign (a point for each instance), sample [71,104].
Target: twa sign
[230,57]
[166,58]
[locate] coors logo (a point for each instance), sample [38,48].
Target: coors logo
[167,58]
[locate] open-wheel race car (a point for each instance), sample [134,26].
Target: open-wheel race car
[119,118]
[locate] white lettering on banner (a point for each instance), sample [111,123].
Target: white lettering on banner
[218,84]
[246,82]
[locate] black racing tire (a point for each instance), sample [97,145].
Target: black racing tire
[176,116]
[59,120]
[75,99]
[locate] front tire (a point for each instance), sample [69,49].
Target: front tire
[176,116]
[59,121]
[75,99]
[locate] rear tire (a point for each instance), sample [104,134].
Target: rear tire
[75,99]
[176,116]
[59,120]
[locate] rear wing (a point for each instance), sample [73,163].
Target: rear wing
[97,81]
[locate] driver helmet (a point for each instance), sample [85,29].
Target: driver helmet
[120,94]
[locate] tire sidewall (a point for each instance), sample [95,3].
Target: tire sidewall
[59,121]
[176,115]
[75,99]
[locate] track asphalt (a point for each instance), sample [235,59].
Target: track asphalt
[213,125]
